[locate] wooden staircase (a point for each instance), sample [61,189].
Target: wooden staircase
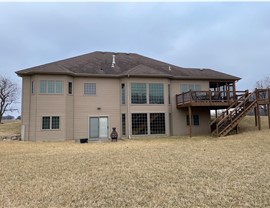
[231,117]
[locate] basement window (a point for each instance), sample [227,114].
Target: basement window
[195,120]
[50,122]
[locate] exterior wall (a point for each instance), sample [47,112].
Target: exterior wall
[179,126]
[37,105]
[130,108]
[107,99]
[74,110]
[26,86]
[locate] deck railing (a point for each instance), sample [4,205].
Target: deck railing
[263,95]
[208,96]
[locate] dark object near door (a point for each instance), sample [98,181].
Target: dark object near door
[114,135]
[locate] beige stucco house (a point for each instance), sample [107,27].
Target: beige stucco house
[88,95]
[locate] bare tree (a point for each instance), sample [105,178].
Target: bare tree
[263,84]
[8,95]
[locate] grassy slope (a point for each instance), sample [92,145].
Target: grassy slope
[10,128]
[232,171]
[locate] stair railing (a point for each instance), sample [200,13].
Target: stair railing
[233,115]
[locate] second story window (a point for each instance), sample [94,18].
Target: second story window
[90,88]
[70,88]
[138,93]
[51,87]
[33,87]
[123,94]
[156,93]
[188,87]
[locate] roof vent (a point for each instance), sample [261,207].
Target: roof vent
[113,60]
[170,68]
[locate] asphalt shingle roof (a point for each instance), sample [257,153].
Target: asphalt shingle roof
[99,64]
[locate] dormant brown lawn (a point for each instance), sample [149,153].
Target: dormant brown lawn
[232,171]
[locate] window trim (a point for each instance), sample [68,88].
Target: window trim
[69,82]
[147,91]
[123,94]
[89,94]
[123,124]
[33,90]
[148,122]
[54,87]
[51,123]
[195,122]
[149,101]
[188,87]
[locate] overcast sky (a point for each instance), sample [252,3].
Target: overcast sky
[230,37]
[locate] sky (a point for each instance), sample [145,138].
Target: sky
[231,37]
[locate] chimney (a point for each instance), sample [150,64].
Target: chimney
[113,60]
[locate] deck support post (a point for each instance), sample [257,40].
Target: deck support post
[190,120]
[259,117]
[255,115]
[234,92]
[268,110]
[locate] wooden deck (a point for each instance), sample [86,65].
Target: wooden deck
[220,99]
[238,104]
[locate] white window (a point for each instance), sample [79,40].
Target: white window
[90,88]
[51,87]
[188,87]
[33,87]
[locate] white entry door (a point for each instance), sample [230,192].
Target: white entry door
[98,127]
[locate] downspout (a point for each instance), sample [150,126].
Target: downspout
[128,110]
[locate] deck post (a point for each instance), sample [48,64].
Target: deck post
[234,92]
[190,121]
[258,109]
[268,108]
[255,115]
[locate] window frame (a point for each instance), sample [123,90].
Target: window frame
[70,88]
[51,126]
[90,88]
[51,87]
[123,124]
[123,93]
[33,91]
[155,91]
[147,93]
[140,96]
[187,87]
[133,125]
[154,126]
[195,120]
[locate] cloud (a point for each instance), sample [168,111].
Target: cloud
[230,37]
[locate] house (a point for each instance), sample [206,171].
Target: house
[86,96]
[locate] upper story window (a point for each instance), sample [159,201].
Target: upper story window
[33,87]
[142,93]
[123,94]
[169,93]
[138,93]
[156,93]
[188,87]
[90,88]
[70,88]
[51,87]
